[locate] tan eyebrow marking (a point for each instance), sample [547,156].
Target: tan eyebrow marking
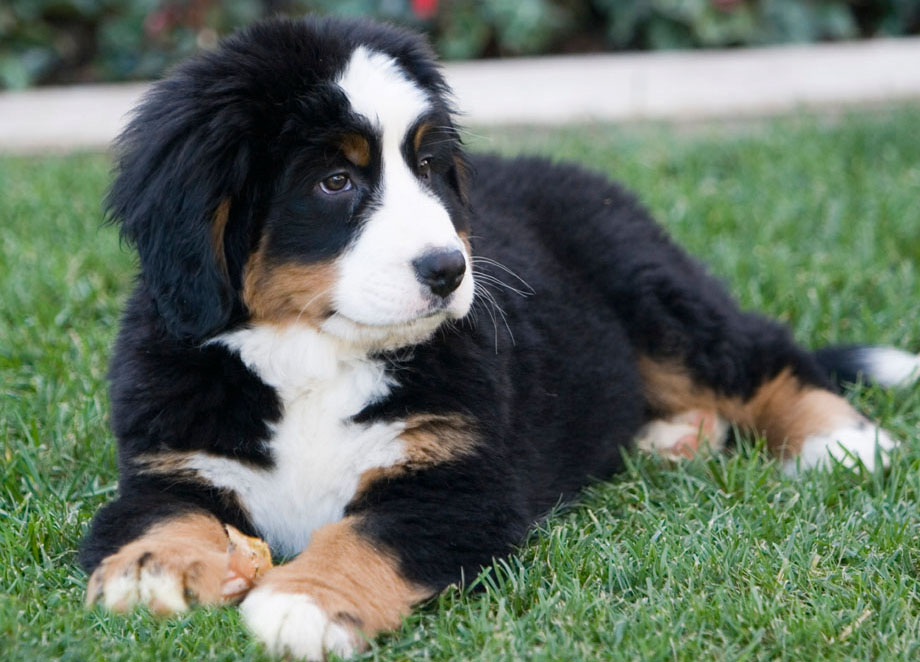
[420,132]
[356,149]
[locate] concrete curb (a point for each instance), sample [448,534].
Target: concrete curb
[674,86]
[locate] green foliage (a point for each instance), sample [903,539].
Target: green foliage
[54,41]
[666,24]
[810,221]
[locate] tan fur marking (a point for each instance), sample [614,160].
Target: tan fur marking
[463,178]
[218,227]
[670,390]
[356,149]
[429,439]
[783,409]
[356,583]
[420,132]
[434,438]
[287,292]
[193,549]
[788,412]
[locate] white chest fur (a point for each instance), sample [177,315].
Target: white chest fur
[319,454]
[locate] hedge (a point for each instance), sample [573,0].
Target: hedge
[64,41]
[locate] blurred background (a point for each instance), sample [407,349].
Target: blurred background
[52,42]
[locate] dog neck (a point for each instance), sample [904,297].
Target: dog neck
[297,359]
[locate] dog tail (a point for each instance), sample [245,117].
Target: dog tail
[885,366]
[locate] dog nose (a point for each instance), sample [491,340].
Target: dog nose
[441,271]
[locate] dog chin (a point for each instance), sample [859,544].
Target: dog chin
[391,330]
[384,337]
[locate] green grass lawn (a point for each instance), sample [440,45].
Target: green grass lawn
[814,222]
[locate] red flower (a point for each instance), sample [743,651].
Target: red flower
[424,9]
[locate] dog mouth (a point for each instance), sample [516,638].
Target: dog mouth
[394,332]
[436,311]
[382,316]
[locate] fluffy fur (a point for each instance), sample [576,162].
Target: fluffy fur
[388,359]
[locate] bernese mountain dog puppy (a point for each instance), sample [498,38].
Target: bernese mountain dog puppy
[386,358]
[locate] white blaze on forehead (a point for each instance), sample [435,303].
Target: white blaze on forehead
[377,287]
[380,90]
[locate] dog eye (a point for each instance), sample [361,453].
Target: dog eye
[424,168]
[336,183]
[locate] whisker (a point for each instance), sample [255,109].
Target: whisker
[501,312]
[462,130]
[489,278]
[310,302]
[486,300]
[444,141]
[496,263]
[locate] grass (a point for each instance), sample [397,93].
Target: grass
[814,222]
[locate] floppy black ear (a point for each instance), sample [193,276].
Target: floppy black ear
[179,162]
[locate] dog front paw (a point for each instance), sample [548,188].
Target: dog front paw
[294,624]
[165,580]
[178,564]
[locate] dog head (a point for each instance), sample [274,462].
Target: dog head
[305,172]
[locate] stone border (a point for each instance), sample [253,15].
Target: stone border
[671,86]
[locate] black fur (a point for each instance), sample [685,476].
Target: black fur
[230,125]
[554,396]
[560,400]
[847,364]
[233,125]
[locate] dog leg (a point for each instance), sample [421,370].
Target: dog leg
[339,592]
[809,427]
[804,424]
[185,560]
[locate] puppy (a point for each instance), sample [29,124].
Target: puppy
[387,358]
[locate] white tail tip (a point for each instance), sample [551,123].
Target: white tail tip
[889,366]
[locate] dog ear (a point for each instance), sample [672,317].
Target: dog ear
[179,164]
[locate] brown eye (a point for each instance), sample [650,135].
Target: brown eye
[336,183]
[424,168]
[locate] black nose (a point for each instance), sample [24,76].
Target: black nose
[442,271]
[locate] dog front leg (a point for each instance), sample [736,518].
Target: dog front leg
[341,591]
